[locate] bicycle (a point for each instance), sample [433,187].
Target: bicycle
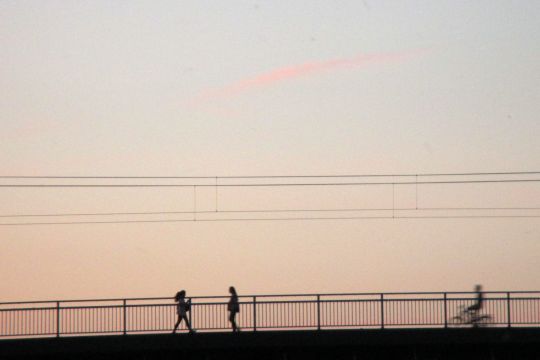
[468,316]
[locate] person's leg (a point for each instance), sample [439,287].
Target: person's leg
[473,314]
[177,323]
[472,310]
[187,323]
[231,320]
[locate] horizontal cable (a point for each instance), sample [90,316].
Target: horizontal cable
[264,185]
[270,176]
[268,211]
[276,219]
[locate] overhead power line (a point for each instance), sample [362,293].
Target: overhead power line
[268,211]
[267,184]
[275,181]
[273,176]
[275,219]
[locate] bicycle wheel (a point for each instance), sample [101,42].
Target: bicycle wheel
[484,320]
[457,320]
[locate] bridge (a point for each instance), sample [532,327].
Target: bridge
[351,326]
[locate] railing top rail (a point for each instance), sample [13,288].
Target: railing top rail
[441,293]
[276,301]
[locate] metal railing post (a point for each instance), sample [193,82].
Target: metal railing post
[509,318]
[382,311]
[125,316]
[58,319]
[445,311]
[318,312]
[254,313]
[189,314]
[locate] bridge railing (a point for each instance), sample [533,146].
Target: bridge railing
[267,312]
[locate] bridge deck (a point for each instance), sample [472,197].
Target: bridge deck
[485,343]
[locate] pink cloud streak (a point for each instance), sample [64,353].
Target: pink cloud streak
[296,71]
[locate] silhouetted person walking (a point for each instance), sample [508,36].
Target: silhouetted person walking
[233,307]
[181,309]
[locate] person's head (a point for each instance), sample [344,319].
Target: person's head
[232,290]
[180,295]
[478,288]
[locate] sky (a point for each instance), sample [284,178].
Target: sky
[214,88]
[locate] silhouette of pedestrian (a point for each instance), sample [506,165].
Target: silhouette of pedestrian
[233,307]
[181,309]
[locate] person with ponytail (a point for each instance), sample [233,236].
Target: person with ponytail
[234,308]
[182,309]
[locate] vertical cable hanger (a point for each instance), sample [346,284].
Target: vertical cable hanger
[194,202]
[393,197]
[416,191]
[216,194]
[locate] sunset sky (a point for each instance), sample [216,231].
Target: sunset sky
[239,88]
